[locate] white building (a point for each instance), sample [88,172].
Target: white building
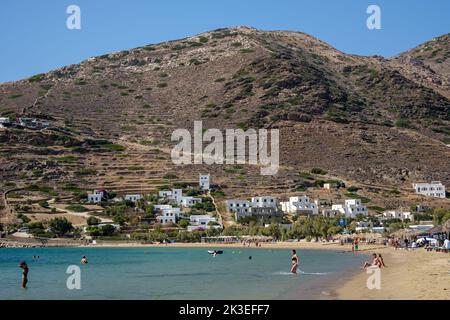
[363,225]
[165,194]
[177,194]
[434,189]
[299,205]
[351,208]
[327,186]
[189,201]
[330,213]
[4,122]
[201,222]
[262,202]
[96,196]
[162,207]
[394,214]
[133,197]
[239,207]
[204,182]
[259,207]
[168,214]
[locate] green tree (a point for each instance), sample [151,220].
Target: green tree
[439,215]
[274,231]
[44,204]
[60,226]
[183,223]
[120,219]
[108,230]
[93,221]
[23,217]
[94,231]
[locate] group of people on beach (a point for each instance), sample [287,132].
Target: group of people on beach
[377,261]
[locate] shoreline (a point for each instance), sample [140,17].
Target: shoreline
[409,275]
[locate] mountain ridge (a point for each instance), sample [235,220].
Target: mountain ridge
[365,119]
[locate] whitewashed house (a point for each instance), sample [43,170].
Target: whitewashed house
[395,214]
[189,201]
[300,205]
[363,225]
[176,196]
[330,213]
[351,208]
[133,197]
[162,207]
[434,189]
[201,222]
[265,212]
[241,208]
[165,194]
[264,202]
[168,216]
[4,122]
[96,196]
[204,182]
[167,213]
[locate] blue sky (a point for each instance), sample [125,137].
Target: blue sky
[34,37]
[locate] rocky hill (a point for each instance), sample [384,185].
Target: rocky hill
[369,120]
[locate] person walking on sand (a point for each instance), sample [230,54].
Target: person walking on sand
[23,265]
[295,262]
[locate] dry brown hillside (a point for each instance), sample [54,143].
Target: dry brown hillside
[367,120]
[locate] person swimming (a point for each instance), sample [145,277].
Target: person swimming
[295,262]
[84,260]
[23,265]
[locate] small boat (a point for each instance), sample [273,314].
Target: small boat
[214,252]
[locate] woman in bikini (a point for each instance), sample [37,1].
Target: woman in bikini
[375,262]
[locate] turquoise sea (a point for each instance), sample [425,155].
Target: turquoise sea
[168,273]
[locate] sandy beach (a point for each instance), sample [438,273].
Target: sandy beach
[410,275]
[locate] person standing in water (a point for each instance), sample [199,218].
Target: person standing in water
[84,260]
[23,265]
[295,262]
